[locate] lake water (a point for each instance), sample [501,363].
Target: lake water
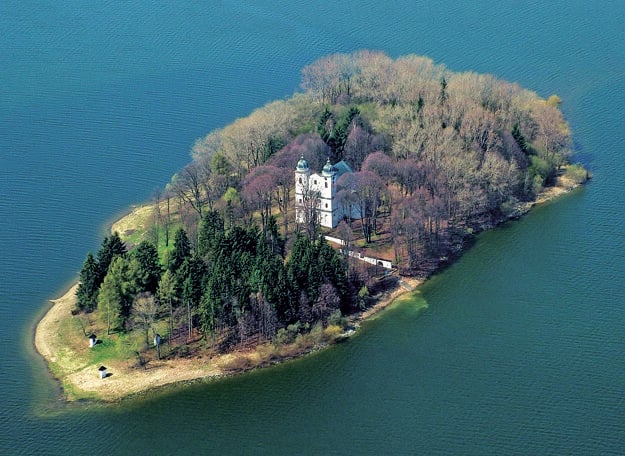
[521,348]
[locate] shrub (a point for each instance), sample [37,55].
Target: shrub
[332,332]
[317,335]
[363,294]
[576,173]
[335,318]
[238,363]
[287,335]
[282,337]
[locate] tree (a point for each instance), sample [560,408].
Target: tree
[330,78]
[189,186]
[148,271]
[442,98]
[365,189]
[284,183]
[166,218]
[381,164]
[258,188]
[334,131]
[191,276]
[112,246]
[87,292]
[308,210]
[156,219]
[182,250]
[167,292]
[265,314]
[211,229]
[272,237]
[309,145]
[116,294]
[209,306]
[410,175]
[327,302]
[144,312]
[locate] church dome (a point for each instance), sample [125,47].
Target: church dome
[302,164]
[328,169]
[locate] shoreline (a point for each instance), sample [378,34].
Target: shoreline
[80,381]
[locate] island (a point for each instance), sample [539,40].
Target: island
[292,225]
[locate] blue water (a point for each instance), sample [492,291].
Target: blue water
[520,350]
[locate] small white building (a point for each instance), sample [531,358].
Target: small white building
[322,188]
[103,372]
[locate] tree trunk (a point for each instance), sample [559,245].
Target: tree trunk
[189,322]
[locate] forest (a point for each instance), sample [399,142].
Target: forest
[437,156]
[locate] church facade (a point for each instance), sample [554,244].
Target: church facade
[319,189]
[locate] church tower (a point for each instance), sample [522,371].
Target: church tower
[328,209]
[302,177]
[319,190]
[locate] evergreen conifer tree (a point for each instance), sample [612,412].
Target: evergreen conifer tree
[87,292]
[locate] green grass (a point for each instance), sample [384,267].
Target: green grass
[118,346]
[76,394]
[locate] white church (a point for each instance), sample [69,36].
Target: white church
[323,188]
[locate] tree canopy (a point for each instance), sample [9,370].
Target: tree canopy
[436,155]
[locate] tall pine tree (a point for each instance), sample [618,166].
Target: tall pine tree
[148,270]
[87,292]
[182,250]
[112,246]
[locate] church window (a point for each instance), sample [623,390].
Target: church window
[326,205]
[315,181]
[300,180]
[326,184]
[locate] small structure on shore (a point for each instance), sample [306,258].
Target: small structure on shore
[93,340]
[157,343]
[103,372]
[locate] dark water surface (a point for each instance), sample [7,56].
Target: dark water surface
[520,350]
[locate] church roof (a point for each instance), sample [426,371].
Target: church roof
[337,170]
[302,164]
[342,168]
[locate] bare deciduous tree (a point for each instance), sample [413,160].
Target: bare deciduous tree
[144,310]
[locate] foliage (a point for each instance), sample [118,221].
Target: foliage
[87,292]
[146,267]
[95,269]
[450,149]
[116,294]
[211,230]
[181,252]
[363,294]
[112,246]
[576,173]
[436,155]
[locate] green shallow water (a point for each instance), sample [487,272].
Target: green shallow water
[515,349]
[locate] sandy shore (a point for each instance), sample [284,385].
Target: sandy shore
[125,379]
[81,380]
